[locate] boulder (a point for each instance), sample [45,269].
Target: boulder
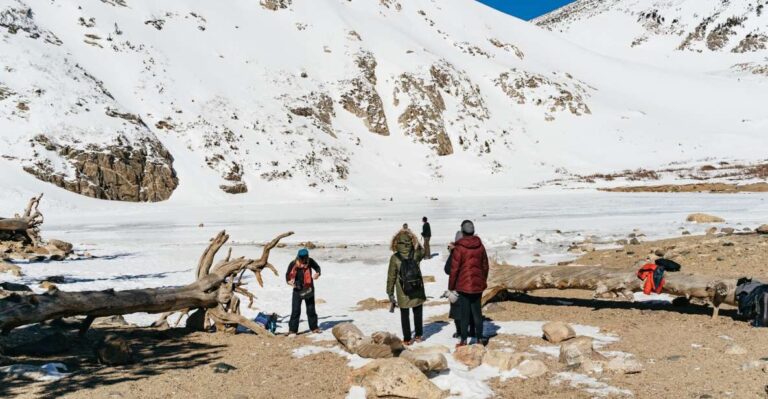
[624,365]
[711,231]
[6,267]
[395,378]
[426,359]
[532,368]
[576,351]
[762,229]
[503,360]
[114,351]
[704,218]
[557,331]
[61,245]
[348,335]
[394,343]
[727,230]
[470,355]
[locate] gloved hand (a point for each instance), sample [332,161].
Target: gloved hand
[392,299]
[453,296]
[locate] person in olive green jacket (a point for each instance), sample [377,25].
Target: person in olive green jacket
[405,244]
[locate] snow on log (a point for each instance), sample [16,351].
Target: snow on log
[213,291]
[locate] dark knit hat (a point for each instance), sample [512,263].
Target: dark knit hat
[468,228]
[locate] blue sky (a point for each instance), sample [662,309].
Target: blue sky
[526,9]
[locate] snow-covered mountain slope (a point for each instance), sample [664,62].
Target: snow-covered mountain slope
[735,27]
[125,99]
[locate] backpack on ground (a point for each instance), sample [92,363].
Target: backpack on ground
[410,275]
[752,299]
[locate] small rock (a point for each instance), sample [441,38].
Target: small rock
[223,368]
[201,225]
[634,241]
[6,267]
[395,378]
[711,231]
[727,230]
[114,351]
[308,245]
[503,360]
[427,359]
[733,349]
[532,368]
[622,242]
[659,252]
[576,351]
[61,245]
[111,321]
[624,365]
[48,286]
[762,229]
[557,331]
[686,233]
[55,279]
[470,355]
[704,218]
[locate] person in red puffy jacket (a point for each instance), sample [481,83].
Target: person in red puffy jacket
[469,276]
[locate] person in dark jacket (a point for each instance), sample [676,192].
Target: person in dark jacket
[426,234]
[299,276]
[469,276]
[454,312]
[405,244]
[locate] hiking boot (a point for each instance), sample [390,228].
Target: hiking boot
[456,335]
[290,334]
[483,341]
[418,339]
[408,342]
[460,344]
[317,331]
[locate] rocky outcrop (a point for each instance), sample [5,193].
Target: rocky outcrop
[122,172]
[318,107]
[275,5]
[362,99]
[559,93]
[20,19]
[423,116]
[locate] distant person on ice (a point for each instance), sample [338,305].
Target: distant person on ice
[299,276]
[469,275]
[426,234]
[404,279]
[454,312]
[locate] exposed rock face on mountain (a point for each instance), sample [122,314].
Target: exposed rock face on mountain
[115,172]
[737,26]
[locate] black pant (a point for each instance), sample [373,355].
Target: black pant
[405,320]
[470,312]
[293,324]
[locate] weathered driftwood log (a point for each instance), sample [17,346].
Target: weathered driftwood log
[20,237]
[213,290]
[606,282]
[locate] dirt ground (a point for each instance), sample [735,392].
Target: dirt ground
[681,347]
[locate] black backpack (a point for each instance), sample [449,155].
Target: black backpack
[752,298]
[410,275]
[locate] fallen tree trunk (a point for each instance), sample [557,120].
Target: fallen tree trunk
[20,237]
[606,282]
[213,290]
